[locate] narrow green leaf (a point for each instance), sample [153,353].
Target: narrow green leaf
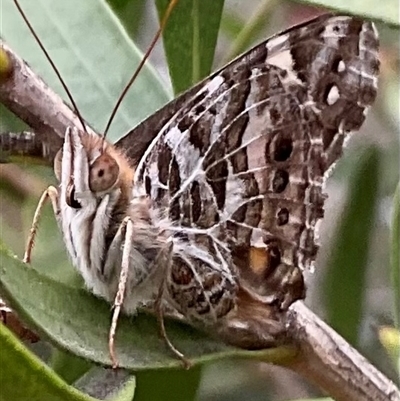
[108,384]
[9,121]
[395,256]
[130,13]
[23,376]
[387,12]
[257,23]
[346,267]
[94,54]
[68,366]
[169,385]
[231,24]
[49,249]
[189,39]
[128,392]
[78,322]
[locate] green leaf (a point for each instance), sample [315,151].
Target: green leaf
[94,54]
[49,255]
[108,384]
[130,13]
[24,376]
[387,12]
[128,392]
[346,267]
[189,39]
[78,322]
[245,37]
[170,382]
[68,366]
[9,121]
[395,256]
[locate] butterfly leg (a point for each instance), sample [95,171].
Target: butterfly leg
[163,333]
[125,231]
[159,310]
[52,194]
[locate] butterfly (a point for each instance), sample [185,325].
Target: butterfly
[212,210]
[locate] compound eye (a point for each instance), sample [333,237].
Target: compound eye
[70,197]
[103,174]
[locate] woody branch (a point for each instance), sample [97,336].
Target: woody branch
[324,358]
[28,97]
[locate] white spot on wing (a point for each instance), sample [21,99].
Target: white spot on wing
[214,84]
[335,29]
[284,61]
[277,44]
[333,95]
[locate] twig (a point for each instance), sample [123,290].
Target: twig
[27,96]
[328,361]
[325,358]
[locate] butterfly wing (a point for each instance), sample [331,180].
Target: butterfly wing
[239,161]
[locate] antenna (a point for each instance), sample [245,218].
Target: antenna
[163,22]
[78,114]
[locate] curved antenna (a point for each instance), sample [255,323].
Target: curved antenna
[163,22]
[38,41]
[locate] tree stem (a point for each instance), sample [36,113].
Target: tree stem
[28,97]
[332,364]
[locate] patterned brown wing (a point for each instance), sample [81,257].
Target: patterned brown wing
[239,166]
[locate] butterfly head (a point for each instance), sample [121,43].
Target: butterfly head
[88,168]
